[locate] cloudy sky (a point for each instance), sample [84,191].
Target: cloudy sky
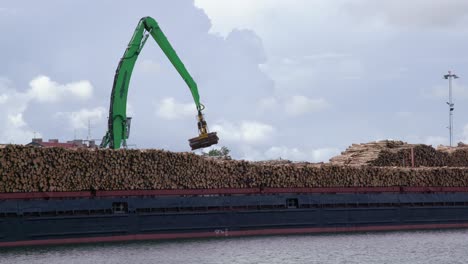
[296,79]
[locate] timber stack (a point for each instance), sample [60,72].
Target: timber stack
[364,154]
[388,153]
[28,169]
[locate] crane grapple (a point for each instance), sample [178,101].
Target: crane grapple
[204,141]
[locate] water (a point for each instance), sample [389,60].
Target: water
[395,247]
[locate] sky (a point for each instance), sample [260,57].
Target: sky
[297,79]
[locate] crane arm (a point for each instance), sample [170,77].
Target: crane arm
[153,28]
[119,123]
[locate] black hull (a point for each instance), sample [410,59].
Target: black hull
[94,219]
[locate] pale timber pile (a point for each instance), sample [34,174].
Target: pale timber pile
[363,154]
[388,153]
[27,169]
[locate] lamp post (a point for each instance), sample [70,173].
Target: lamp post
[450,103]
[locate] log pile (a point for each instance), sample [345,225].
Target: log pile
[423,156]
[363,154]
[389,153]
[27,169]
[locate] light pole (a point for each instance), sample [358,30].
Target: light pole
[450,103]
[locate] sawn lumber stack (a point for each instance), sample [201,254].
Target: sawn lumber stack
[27,169]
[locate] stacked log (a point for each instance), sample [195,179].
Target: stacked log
[389,153]
[28,169]
[420,155]
[363,154]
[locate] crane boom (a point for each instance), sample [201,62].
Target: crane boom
[118,122]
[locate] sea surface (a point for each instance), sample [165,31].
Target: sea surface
[392,247]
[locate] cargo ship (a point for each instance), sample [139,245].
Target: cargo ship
[45,218]
[52,195]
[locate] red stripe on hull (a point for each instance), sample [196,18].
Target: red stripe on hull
[227,233]
[87,194]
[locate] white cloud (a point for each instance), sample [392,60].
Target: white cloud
[436,140]
[255,131]
[16,120]
[299,104]
[79,119]
[17,135]
[80,89]
[228,15]
[324,154]
[12,107]
[285,153]
[224,13]
[250,132]
[44,90]
[289,153]
[296,154]
[248,152]
[169,109]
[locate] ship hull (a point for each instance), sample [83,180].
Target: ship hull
[87,218]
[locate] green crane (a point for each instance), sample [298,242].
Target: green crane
[118,122]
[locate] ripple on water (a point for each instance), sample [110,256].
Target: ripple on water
[394,247]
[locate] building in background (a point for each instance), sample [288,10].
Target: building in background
[77,143]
